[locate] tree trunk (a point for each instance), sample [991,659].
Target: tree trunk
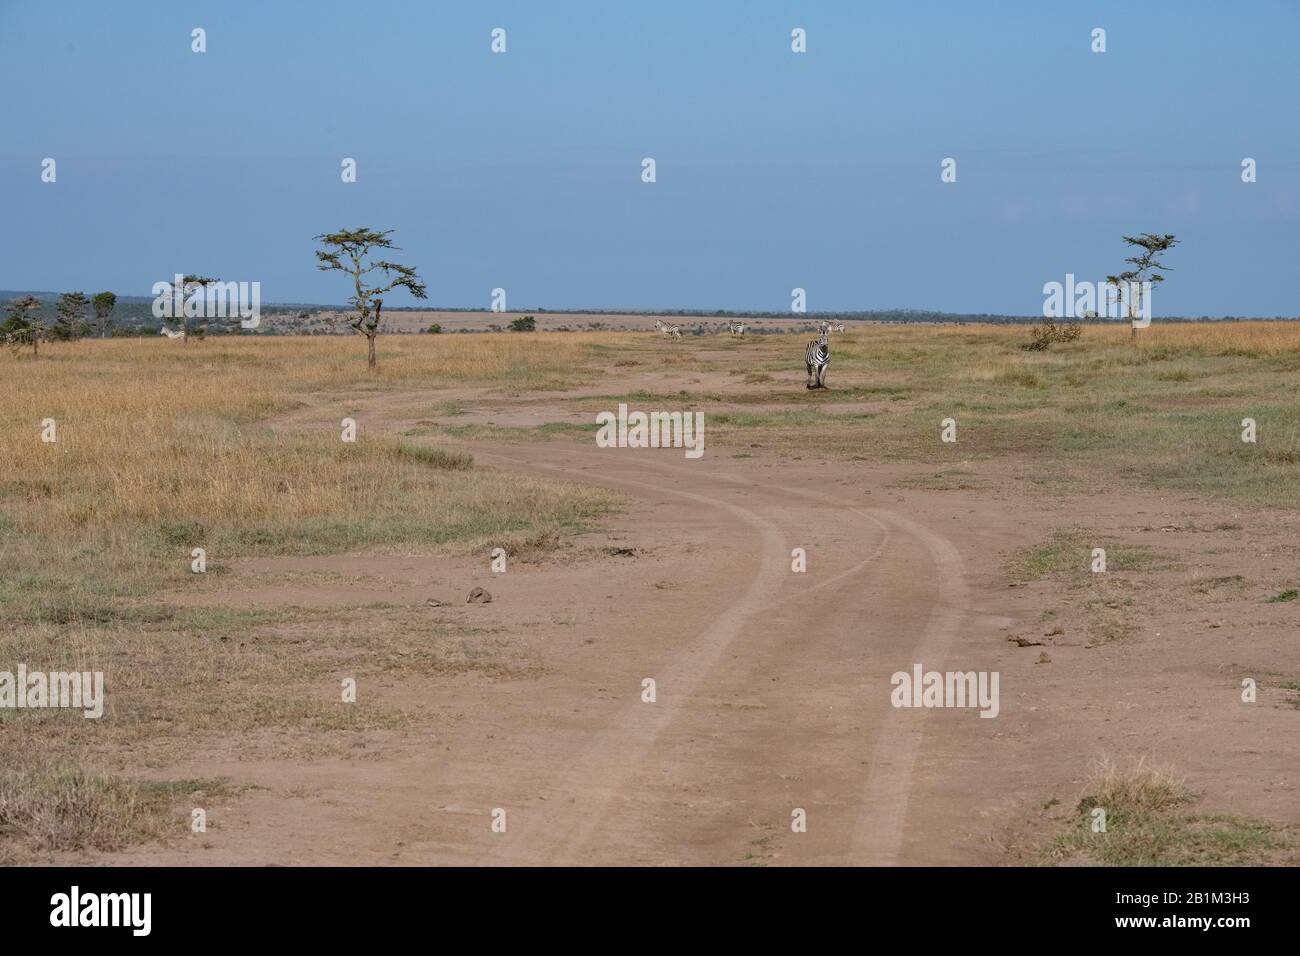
[370,336]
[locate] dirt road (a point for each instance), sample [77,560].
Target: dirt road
[772,688]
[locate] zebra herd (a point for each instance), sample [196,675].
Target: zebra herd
[675,331]
[817,356]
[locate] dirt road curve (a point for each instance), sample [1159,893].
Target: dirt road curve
[772,687]
[772,694]
[810,652]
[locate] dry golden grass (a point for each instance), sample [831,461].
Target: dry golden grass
[161,438]
[1141,787]
[47,805]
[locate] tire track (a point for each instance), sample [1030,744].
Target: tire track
[877,834]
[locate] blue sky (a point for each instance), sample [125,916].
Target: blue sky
[775,169]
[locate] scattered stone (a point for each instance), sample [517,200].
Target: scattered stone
[434,602]
[1024,641]
[1044,658]
[1055,631]
[478,596]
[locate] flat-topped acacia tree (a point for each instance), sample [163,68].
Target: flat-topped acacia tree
[1148,269]
[347,251]
[179,295]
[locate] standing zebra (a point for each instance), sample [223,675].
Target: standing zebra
[838,328]
[817,356]
[737,328]
[669,331]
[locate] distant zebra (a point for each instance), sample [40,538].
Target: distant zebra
[838,328]
[170,334]
[669,331]
[817,357]
[736,328]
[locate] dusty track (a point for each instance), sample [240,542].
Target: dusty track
[831,637]
[772,687]
[772,694]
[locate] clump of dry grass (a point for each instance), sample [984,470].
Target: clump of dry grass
[1147,824]
[1020,376]
[1138,788]
[50,806]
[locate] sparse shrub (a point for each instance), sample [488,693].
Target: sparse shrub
[1043,335]
[525,323]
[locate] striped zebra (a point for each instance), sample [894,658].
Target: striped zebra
[736,328]
[179,334]
[838,328]
[817,356]
[669,331]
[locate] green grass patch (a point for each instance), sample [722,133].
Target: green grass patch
[1069,552]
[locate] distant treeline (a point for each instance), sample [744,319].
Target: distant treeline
[134,314]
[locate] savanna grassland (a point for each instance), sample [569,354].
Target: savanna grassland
[162,450]
[163,447]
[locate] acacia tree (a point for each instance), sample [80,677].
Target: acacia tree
[70,316]
[24,325]
[103,303]
[179,293]
[1147,269]
[347,251]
